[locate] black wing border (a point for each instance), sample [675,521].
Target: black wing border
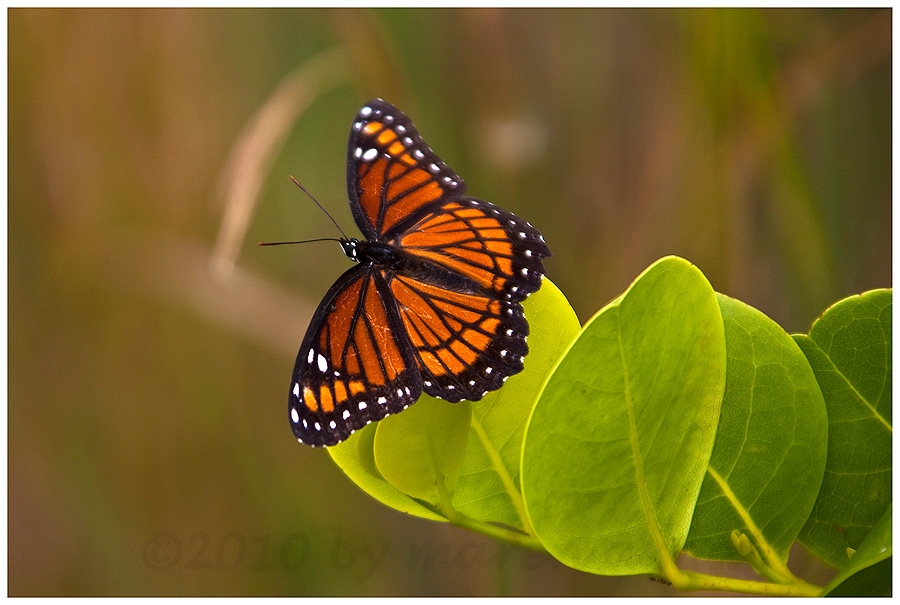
[381,109]
[410,379]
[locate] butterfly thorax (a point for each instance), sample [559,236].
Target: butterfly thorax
[366,252]
[395,260]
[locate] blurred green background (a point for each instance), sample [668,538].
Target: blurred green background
[151,341]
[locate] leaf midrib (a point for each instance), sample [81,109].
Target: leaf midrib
[640,477]
[505,478]
[855,392]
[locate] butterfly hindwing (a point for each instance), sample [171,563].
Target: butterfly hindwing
[355,365]
[392,174]
[465,320]
[466,344]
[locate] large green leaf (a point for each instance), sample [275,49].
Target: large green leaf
[869,572]
[420,451]
[356,457]
[849,349]
[769,457]
[488,486]
[619,441]
[477,484]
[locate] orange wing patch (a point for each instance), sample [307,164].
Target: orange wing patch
[361,348]
[467,240]
[355,368]
[465,344]
[396,174]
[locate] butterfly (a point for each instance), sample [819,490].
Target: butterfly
[433,302]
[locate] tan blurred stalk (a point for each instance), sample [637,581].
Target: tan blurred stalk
[212,283]
[259,143]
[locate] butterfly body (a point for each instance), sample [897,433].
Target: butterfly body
[434,301]
[393,260]
[377,253]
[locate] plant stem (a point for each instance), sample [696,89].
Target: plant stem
[689,580]
[493,531]
[777,570]
[446,510]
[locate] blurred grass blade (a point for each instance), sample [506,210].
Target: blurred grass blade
[256,148]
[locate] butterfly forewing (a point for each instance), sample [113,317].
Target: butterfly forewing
[392,174]
[354,366]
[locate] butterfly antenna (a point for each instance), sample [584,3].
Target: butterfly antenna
[322,208]
[302,241]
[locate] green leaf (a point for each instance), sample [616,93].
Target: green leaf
[549,316]
[488,487]
[619,441]
[420,450]
[849,349]
[356,457]
[769,457]
[869,572]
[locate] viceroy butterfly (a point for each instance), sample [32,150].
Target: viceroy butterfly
[434,301]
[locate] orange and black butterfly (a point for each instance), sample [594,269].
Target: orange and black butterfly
[434,301]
